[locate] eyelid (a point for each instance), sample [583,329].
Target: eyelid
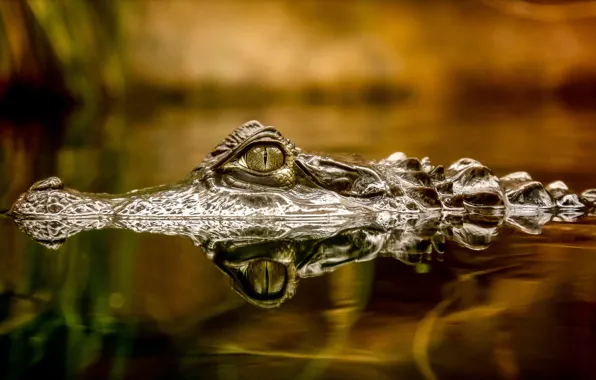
[242,161]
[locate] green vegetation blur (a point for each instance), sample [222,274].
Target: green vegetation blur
[71,47]
[114,95]
[231,53]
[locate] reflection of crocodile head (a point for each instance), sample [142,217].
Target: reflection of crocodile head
[256,172]
[266,258]
[265,267]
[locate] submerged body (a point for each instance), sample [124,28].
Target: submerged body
[256,172]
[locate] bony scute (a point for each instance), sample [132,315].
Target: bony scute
[258,162]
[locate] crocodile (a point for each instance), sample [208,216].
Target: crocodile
[266,212]
[257,173]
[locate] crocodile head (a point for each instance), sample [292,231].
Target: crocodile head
[257,171]
[254,172]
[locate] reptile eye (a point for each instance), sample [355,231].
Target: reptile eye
[267,278]
[264,158]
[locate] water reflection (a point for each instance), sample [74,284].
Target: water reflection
[115,304]
[265,258]
[439,285]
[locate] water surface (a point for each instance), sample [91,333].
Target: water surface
[118,304]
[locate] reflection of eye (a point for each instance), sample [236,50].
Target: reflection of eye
[267,278]
[264,158]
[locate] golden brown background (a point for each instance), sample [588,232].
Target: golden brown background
[115,95]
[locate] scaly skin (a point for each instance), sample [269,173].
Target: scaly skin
[268,214]
[238,180]
[265,257]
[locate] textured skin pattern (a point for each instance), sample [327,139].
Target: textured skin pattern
[310,216]
[301,248]
[66,203]
[53,232]
[309,186]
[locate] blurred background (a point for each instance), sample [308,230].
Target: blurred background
[115,95]
[147,88]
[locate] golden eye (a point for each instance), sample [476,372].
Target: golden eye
[264,158]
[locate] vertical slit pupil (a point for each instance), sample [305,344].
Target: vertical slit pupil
[265,157]
[267,277]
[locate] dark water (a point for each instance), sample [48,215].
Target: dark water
[117,304]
